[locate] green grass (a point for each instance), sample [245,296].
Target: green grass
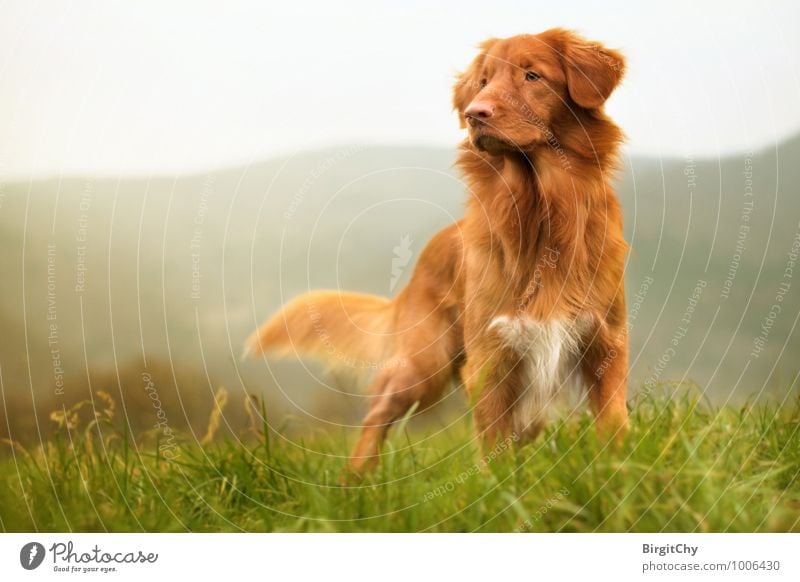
[686,466]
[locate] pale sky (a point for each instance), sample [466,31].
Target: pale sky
[96,86]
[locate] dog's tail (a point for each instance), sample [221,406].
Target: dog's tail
[342,329]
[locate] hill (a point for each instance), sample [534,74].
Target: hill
[109,280]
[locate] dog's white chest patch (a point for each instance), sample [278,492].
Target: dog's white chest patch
[550,351]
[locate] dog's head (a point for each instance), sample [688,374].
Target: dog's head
[518,89]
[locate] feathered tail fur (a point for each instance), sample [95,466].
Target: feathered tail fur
[342,329]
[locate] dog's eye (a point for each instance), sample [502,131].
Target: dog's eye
[531,76]
[483,83]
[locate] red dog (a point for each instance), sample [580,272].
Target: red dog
[523,296]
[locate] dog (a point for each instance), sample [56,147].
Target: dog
[524,296]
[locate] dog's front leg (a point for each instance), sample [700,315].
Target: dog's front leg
[491,377]
[606,375]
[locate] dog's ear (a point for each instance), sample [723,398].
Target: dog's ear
[468,84]
[592,70]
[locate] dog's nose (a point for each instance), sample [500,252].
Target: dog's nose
[478,111]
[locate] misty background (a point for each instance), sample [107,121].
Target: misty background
[170,175]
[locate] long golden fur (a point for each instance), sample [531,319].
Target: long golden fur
[526,291]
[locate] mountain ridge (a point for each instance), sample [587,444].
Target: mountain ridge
[180,270]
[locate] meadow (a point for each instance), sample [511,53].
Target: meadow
[686,466]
